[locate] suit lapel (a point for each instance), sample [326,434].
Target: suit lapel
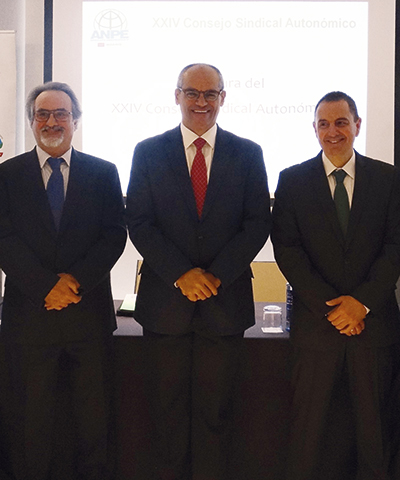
[323,196]
[360,196]
[33,187]
[175,154]
[220,162]
[78,176]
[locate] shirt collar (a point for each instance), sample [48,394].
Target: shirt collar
[43,156]
[349,167]
[189,137]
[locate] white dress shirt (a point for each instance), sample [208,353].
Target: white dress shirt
[46,169]
[348,182]
[190,150]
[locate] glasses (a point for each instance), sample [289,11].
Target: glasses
[193,94]
[59,115]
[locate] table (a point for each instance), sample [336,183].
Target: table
[261,405]
[127,326]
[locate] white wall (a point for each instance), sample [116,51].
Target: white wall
[26,18]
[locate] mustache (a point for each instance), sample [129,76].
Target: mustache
[55,128]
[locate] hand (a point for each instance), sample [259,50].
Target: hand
[348,315]
[357,329]
[64,292]
[197,284]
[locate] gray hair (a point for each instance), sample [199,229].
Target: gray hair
[57,86]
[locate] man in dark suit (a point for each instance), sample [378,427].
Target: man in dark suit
[61,231]
[195,295]
[338,243]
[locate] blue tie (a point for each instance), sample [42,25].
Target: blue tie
[55,190]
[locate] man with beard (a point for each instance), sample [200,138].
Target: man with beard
[61,231]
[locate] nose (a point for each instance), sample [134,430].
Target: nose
[332,130]
[201,101]
[51,120]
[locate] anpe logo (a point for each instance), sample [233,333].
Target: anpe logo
[110,25]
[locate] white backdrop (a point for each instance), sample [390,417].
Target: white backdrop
[8,91]
[8,78]
[378,131]
[274,57]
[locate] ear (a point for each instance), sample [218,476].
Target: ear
[75,125]
[315,128]
[358,126]
[223,95]
[177,92]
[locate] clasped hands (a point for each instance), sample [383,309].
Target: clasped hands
[348,315]
[197,284]
[64,292]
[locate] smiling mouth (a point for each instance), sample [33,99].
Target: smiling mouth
[200,111]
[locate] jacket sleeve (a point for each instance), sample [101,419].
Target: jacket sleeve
[17,260]
[292,259]
[96,265]
[384,271]
[239,252]
[159,251]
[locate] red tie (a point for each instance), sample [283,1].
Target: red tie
[198,175]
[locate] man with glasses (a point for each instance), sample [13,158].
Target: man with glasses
[61,231]
[198,212]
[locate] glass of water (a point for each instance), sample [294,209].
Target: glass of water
[272,319]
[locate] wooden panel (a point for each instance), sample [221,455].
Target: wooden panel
[269,285]
[137,280]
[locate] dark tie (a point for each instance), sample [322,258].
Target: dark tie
[55,190]
[198,175]
[341,200]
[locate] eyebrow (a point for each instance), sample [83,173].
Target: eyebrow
[340,118]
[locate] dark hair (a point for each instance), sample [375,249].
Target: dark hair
[336,97]
[180,78]
[58,86]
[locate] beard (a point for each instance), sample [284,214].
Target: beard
[52,141]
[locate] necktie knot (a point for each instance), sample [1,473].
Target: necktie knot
[339,175]
[199,143]
[55,163]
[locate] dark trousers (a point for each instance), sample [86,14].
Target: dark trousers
[340,413]
[394,424]
[191,381]
[34,376]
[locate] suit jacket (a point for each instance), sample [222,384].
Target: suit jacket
[164,227]
[92,236]
[321,264]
